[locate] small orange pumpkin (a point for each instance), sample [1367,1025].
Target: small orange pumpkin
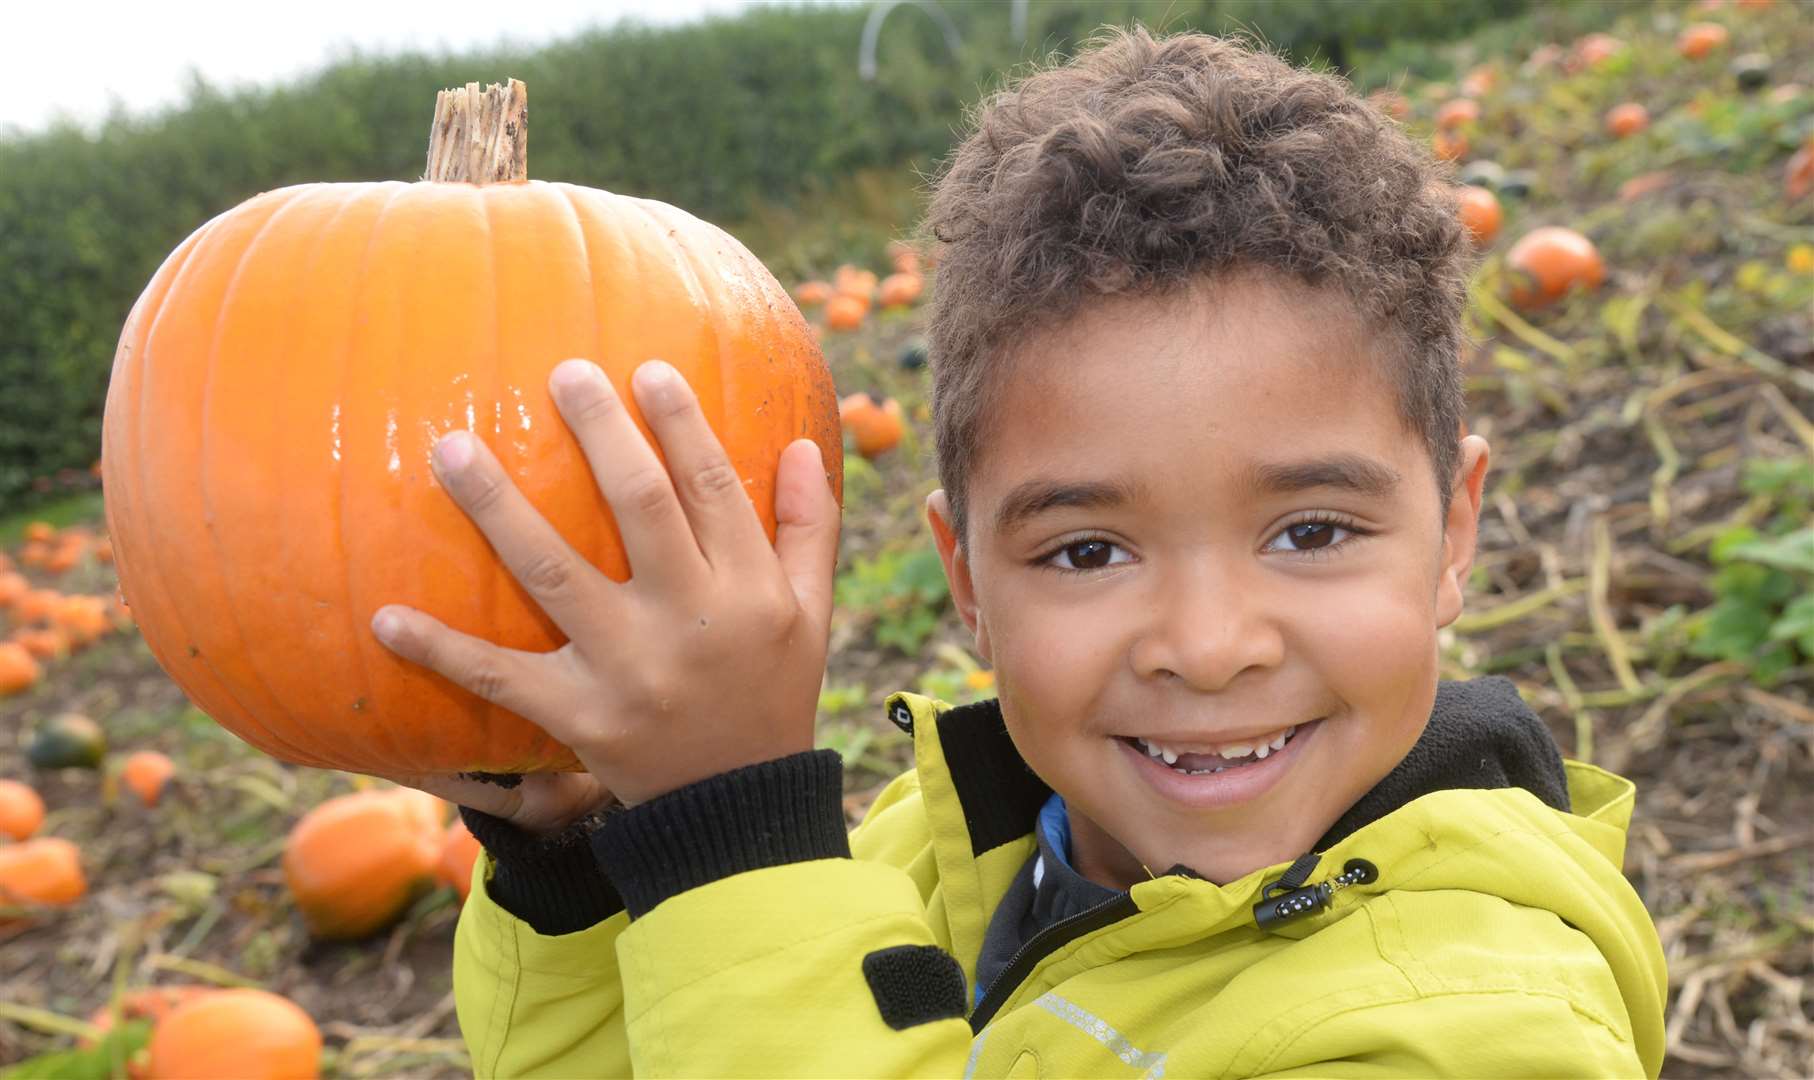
[460,851]
[812,293]
[1480,82]
[12,587]
[1798,175]
[356,862]
[1544,57]
[1644,184]
[1450,144]
[83,618]
[900,290]
[21,810]
[1697,40]
[1593,50]
[35,553]
[854,282]
[46,871]
[44,642]
[238,1034]
[1547,263]
[18,669]
[1458,113]
[874,428]
[103,551]
[36,606]
[1480,213]
[151,1003]
[40,532]
[845,312]
[146,772]
[1392,103]
[1627,119]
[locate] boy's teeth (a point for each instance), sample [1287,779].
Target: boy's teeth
[1230,752]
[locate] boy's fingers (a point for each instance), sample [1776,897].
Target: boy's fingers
[657,539]
[505,677]
[499,802]
[565,585]
[806,534]
[724,521]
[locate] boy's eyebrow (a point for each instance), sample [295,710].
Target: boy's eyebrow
[1034,497]
[1347,472]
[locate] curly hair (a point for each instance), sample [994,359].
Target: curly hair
[1145,166]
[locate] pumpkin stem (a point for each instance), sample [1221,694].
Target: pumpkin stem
[480,136]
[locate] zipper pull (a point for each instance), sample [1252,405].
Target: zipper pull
[1289,898]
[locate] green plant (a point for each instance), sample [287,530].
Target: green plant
[1763,614]
[902,588]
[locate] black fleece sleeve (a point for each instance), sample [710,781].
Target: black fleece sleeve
[777,812]
[551,882]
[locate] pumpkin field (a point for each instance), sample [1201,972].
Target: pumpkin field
[1640,357]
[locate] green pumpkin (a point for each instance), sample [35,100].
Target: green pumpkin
[69,741]
[1483,173]
[1752,71]
[913,355]
[1517,184]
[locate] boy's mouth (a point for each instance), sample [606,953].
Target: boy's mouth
[1208,774]
[1201,760]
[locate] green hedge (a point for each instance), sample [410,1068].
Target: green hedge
[722,117]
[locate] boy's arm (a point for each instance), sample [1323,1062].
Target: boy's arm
[535,967]
[1505,1034]
[758,946]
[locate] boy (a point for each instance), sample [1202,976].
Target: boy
[1196,388]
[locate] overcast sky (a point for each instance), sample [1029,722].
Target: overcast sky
[73,57]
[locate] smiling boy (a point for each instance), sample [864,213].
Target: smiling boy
[1206,506]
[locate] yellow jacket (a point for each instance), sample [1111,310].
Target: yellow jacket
[1498,937]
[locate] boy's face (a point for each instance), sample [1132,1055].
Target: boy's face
[1199,527]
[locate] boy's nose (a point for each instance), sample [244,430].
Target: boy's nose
[1206,626]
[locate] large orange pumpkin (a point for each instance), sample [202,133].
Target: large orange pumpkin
[460,851]
[278,388]
[355,862]
[238,1034]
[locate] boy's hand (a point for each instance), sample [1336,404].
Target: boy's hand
[710,657]
[538,803]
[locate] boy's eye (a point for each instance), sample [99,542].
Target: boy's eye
[1311,535]
[1084,555]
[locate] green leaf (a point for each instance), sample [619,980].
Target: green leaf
[93,1063]
[1797,625]
[1795,551]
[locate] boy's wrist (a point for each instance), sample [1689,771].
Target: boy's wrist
[549,880]
[787,810]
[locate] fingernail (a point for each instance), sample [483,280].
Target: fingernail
[386,625]
[573,374]
[657,375]
[454,451]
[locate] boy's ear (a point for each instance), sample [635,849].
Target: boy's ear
[957,570]
[1462,529]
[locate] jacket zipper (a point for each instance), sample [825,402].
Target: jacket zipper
[1281,901]
[1043,944]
